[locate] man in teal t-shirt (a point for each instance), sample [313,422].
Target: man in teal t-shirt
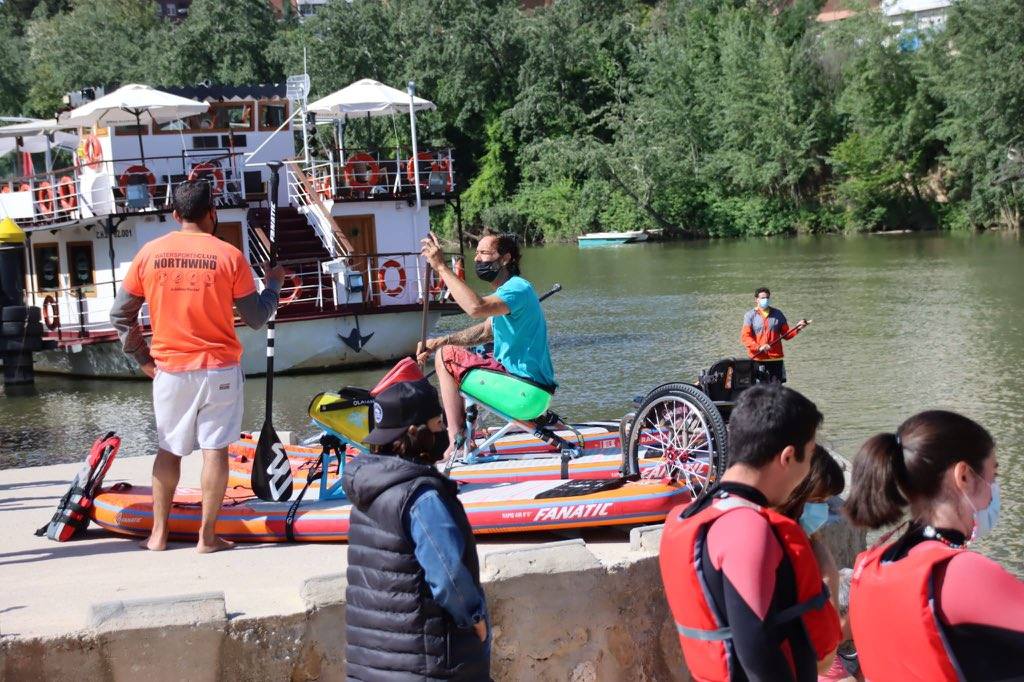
[512,316]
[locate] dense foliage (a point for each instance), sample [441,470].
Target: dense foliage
[698,117]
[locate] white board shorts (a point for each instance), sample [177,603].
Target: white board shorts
[200,408]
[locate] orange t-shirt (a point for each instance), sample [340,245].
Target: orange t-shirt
[191,280]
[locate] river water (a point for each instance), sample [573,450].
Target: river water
[901,323]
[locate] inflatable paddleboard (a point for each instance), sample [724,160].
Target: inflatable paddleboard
[523,457]
[504,508]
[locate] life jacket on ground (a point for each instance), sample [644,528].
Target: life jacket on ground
[74,509]
[892,613]
[702,633]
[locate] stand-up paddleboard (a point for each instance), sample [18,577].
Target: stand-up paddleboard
[523,457]
[506,508]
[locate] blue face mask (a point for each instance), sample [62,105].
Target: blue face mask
[764,302]
[814,516]
[986,519]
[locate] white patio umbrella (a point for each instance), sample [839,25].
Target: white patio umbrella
[368,97]
[134,104]
[34,136]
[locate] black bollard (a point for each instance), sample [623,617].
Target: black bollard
[21,331]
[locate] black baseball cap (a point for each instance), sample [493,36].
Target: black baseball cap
[407,403]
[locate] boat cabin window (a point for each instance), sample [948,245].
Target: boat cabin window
[272,115]
[80,264]
[221,117]
[47,266]
[234,116]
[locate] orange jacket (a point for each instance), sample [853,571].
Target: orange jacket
[769,327]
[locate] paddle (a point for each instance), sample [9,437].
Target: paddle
[786,337]
[271,473]
[426,307]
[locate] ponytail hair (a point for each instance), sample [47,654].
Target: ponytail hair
[893,470]
[508,243]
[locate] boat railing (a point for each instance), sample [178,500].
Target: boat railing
[369,281]
[303,194]
[387,174]
[120,187]
[78,312]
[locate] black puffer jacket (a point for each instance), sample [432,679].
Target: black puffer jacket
[395,630]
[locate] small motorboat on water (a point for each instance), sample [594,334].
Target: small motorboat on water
[612,238]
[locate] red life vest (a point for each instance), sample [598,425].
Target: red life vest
[701,634]
[893,616]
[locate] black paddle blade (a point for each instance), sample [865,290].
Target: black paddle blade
[271,472]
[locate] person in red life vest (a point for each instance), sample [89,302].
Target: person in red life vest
[809,505]
[741,579]
[925,607]
[764,329]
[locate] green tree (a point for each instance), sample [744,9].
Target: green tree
[97,42]
[226,42]
[981,78]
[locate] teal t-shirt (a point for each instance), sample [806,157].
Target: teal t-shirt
[521,336]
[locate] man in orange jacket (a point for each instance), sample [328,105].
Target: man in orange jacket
[764,329]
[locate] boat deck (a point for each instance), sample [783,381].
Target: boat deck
[50,587]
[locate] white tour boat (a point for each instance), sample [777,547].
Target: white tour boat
[348,225]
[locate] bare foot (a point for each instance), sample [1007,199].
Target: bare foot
[153,544]
[217,545]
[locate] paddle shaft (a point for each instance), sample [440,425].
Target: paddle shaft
[786,337]
[550,292]
[275,167]
[426,302]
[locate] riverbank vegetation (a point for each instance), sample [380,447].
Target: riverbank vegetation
[702,118]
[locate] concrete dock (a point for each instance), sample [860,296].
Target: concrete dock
[62,602]
[586,608]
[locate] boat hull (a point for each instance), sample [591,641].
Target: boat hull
[492,509]
[304,345]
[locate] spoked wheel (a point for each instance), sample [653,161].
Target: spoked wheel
[680,425]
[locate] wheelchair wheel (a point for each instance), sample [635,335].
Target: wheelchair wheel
[680,425]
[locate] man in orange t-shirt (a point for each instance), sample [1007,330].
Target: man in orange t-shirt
[192,281]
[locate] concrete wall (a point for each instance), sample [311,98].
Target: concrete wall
[558,611]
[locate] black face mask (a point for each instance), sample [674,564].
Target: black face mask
[439,447]
[488,271]
[216,223]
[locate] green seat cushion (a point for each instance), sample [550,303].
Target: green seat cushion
[507,394]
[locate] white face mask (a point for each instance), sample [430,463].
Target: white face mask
[985,519]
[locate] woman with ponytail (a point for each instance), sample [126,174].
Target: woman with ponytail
[925,607]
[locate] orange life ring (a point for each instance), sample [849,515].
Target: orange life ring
[23,187]
[323,187]
[136,170]
[92,152]
[214,170]
[436,283]
[361,171]
[382,284]
[436,166]
[50,306]
[44,197]
[296,282]
[67,192]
